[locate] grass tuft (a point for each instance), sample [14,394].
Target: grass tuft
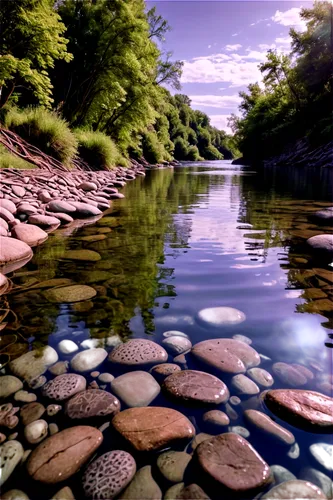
[98,150]
[8,160]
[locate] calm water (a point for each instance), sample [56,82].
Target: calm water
[181,241]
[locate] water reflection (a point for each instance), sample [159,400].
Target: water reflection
[200,236]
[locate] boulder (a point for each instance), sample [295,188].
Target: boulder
[322,244]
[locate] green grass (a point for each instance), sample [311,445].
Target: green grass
[45,130]
[8,160]
[98,150]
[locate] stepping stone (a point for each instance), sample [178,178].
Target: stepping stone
[60,456]
[143,486]
[295,489]
[308,410]
[92,403]
[221,316]
[226,355]
[172,465]
[107,476]
[151,428]
[231,461]
[268,427]
[136,388]
[196,387]
[138,352]
[64,386]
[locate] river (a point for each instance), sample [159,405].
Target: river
[201,235]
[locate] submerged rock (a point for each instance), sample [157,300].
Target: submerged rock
[11,453]
[177,344]
[34,363]
[64,386]
[172,465]
[323,454]
[322,243]
[136,388]
[92,403]
[295,489]
[31,235]
[143,486]
[82,254]
[151,428]
[219,316]
[88,360]
[138,352]
[9,385]
[13,254]
[268,427]
[70,294]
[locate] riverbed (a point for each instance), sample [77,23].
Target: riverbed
[201,235]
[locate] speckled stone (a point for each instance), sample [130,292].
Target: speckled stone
[260,377]
[196,387]
[151,428]
[233,462]
[268,427]
[92,403]
[11,453]
[107,476]
[295,490]
[172,465]
[160,372]
[138,352]
[64,386]
[9,385]
[143,486]
[226,355]
[137,388]
[31,412]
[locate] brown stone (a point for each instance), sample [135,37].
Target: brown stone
[216,417]
[64,494]
[196,387]
[92,403]
[233,462]
[8,205]
[307,410]
[289,375]
[13,254]
[267,426]
[295,489]
[226,355]
[61,455]
[138,352]
[31,412]
[45,221]
[163,370]
[181,492]
[150,428]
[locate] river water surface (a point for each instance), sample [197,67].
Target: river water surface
[201,235]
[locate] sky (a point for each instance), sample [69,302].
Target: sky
[222,43]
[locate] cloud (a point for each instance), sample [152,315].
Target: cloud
[220,122]
[235,69]
[209,46]
[285,40]
[252,24]
[235,34]
[231,48]
[216,101]
[289,18]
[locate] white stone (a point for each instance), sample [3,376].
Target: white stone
[14,495]
[91,343]
[242,338]
[36,431]
[67,347]
[281,474]
[11,453]
[34,363]
[238,429]
[174,333]
[88,360]
[177,345]
[220,316]
[137,388]
[323,453]
[113,341]
[294,489]
[9,385]
[25,396]
[106,378]
[316,477]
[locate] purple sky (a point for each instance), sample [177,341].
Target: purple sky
[222,43]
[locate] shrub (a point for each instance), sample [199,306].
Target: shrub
[151,147]
[193,154]
[180,149]
[211,153]
[45,130]
[8,160]
[98,150]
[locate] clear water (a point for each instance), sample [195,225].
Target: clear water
[179,243]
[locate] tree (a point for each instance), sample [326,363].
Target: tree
[30,43]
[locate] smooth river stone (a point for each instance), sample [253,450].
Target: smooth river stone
[321,243]
[11,453]
[226,355]
[294,490]
[174,333]
[160,372]
[281,474]
[233,462]
[70,294]
[196,387]
[8,205]
[143,486]
[243,385]
[136,388]
[217,418]
[82,254]
[288,374]
[6,215]
[61,455]
[92,403]
[9,385]
[67,346]
[172,465]
[307,410]
[64,386]
[36,431]
[316,477]
[177,345]
[107,476]
[88,360]
[151,428]
[31,235]
[85,209]
[15,495]
[138,352]
[268,427]
[13,254]
[220,316]
[31,412]
[45,221]
[181,492]
[323,454]
[260,377]
[60,206]
[33,363]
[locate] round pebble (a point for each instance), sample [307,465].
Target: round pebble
[52,410]
[323,454]
[64,386]
[177,345]
[243,385]
[137,388]
[9,385]
[216,418]
[106,378]
[14,495]
[36,431]
[88,360]
[174,333]
[67,347]
[53,428]
[107,476]
[260,377]
[31,412]
[11,453]
[173,464]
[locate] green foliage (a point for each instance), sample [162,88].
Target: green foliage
[45,130]
[31,40]
[296,100]
[151,147]
[8,160]
[97,149]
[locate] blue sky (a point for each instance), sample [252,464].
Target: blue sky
[222,43]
